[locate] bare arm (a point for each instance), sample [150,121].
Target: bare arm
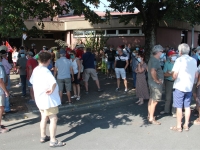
[30,72]
[174,75]
[140,69]
[72,73]
[55,71]
[50,91]
[79,68]
[3,87]
[154,76]
[126,64]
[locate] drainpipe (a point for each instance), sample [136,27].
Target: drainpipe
[192,44]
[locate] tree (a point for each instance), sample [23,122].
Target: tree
[15,12]
[151,12]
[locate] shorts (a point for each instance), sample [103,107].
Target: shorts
[29,84]
[76,80]
[181,99]
[89,72]
[50,111]
[66,82]
[120,71]
[155,93]
[2,100]
[110,64]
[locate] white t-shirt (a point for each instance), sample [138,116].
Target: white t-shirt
[15,56]
[186,67]
[126,51]
[43,80]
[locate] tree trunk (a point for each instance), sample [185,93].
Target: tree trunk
[150,40]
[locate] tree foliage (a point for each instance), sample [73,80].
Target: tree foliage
[151,12]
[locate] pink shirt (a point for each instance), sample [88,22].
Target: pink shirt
[6,65]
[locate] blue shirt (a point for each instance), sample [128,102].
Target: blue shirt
[195,57]
[63,65]
[88,60]
[167,68]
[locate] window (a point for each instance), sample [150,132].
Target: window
[111,31]
[100,32]
[78,33]
[134,31]
[89,32]
[122,31]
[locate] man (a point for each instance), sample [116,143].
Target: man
[155,81]
[184,72]
[3,93]
[169,84]
[110,55]
[21,64]
[47,99]
[7,67]
[63,71]
[134,63]
[30,66]
[121,63]
[89,69]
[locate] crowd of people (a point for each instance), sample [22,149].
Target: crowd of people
[49,73]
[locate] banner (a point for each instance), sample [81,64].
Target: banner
[10,49]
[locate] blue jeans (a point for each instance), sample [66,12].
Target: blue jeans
[134,74]
[23,81]
[7,102]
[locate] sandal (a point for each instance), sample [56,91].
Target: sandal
[44,139]
[197,122]
[57,144]
[186,128]
[176,129]
[3,129]
[154,122]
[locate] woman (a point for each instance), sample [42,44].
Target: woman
[141,83]
[77,73]
[14,59]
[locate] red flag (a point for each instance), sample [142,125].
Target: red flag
[10,49]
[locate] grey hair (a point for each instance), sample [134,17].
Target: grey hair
[156,49]
[184,48]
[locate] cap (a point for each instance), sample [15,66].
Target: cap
[30,53]
[62,51]
[198,48]
[157,48]
[171,53]
[80,46]
[3,47]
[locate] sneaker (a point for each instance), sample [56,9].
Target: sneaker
[100,90]
[18,85]
[86,92]
[78,98]
[75,96]
[117,89]
[174,115]
[126,90]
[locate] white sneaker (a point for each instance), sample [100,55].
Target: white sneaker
[18,85]
[125,90]
[75,96]
[78,98]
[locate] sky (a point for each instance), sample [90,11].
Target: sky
[101,7]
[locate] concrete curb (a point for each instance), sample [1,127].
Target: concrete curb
[71,108]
